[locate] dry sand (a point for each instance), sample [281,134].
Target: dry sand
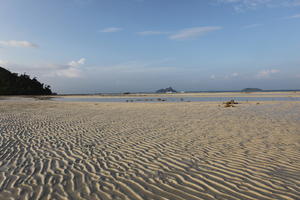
[59,150]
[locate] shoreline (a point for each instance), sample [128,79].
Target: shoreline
[154,95]
[218,94]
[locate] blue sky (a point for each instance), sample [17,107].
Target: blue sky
[87,46]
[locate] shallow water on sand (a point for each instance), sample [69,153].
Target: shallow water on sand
[174,99]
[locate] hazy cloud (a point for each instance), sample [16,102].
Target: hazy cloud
[251,26]
[15,43]
[293,16]
[111,30]
[3,63]
[232,75]
[240,5]
[152,33]
[225,76]
[194,32]
[267,73]
[295,3]
[235,74]
[70,70]
[83,2]
[68,73]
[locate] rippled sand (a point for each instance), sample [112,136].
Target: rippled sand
[56,150]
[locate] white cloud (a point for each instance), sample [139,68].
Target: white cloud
[267,73]
[15,43]
[152,33]
[293,16]
[232,75]
[70,70]
[241,5]
[77,63]
[225,77]
[194,32]
[111,30]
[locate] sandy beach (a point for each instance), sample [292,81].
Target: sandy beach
[189,150]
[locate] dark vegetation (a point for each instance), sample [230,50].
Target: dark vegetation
[252,90]
[14,84]
[166,90]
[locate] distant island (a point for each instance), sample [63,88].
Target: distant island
[14,84]
[252,90]
[166,90]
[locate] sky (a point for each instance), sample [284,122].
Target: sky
[100,46]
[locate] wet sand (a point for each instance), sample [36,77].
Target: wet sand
[196,150]
[179,95]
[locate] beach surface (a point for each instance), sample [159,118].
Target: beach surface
[187,150]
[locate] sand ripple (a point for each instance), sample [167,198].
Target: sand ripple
[54,150]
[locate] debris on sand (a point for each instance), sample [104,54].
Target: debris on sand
[230,103]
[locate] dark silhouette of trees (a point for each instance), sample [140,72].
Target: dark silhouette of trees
[252,90]
[14,84]
[166,90]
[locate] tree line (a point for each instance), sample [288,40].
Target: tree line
[15,84]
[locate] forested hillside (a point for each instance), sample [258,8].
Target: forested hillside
[14,84]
